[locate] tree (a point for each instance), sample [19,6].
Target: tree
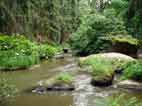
[135,17]
[53,18]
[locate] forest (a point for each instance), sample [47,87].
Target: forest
[70,52]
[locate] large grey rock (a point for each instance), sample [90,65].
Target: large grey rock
[130,84]
[110,56]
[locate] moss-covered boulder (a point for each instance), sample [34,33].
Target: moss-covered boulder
[116,59]
[103,66]
[102,74]
[61,82]
[102,71]
[125,44]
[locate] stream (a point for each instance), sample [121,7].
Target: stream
[84,95]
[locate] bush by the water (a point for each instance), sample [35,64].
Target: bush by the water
[87,39]
[47,51]
[6,89]
[18,52]
[133,70]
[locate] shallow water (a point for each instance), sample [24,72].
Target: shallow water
[84,95]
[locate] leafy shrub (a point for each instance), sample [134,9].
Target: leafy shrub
[119,5]
[17,52]
[16,62]
[6,90]
[47,51]
[133,70]
[87,39]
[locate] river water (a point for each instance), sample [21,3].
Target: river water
[84,95]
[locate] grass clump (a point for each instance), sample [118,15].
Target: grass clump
[120,100]
[65,78]
[133,70]
[97,62]
[101,70]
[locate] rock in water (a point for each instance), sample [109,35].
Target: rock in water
[60,87]
[39,90]
[109,56]
[130,84]
[103,82]
[104,66]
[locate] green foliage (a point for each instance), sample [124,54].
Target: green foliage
[120,101]
[17,62]
[101,68]
[87,39]
[101,60]
[64,77]
[133,70]
[47,51]
[119,5]
[17,52]
[134,18]
[110,12]
[6,90]
[52,18]
[93,60]
[134,25]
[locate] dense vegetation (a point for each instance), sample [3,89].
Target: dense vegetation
[112,21]
[87,39]
[31,30]
[133,70]
[17,47]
